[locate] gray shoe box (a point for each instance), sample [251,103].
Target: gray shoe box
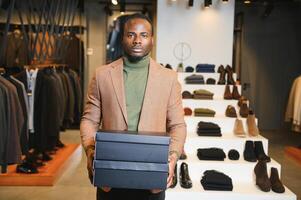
[131,147]
[136,160]
[133,175]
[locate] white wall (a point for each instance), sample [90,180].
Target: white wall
[208,31]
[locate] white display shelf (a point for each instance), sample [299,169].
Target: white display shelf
[219,105]
[225,123]
[183,75]
[239,170]
[225,142]
[218,90]
[241,191]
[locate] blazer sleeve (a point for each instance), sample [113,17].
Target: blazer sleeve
[176,126]
[91,117]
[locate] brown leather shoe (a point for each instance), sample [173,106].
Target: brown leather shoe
[244,110]
[239,128]
[230,111]
[187,111]
[235,93]
[251,124]
[227,93]
[187,95]
[262,179]
[277,185]
[241,100]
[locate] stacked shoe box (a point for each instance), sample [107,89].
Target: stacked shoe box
[240,171]
[131,160]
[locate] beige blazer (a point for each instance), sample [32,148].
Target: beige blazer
[161,111]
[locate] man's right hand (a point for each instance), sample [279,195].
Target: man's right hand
[90,158]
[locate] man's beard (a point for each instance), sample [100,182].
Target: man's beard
[134,59]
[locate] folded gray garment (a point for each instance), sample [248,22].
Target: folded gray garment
[195,77]
[195,82]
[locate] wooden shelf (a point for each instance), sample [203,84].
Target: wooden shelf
[48,174]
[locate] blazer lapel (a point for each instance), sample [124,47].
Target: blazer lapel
[149,93]
[118,85]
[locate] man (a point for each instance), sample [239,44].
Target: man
[134,93]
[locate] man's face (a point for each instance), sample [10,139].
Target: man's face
[137,39]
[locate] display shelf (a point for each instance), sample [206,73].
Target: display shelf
[48,174]
[225,123]
[218,90]
[241,191]
[226,142]
[239,170]
[218,105]
[183,75]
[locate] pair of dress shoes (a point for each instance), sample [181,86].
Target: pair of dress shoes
[184,177]
[264,182]
[254,151]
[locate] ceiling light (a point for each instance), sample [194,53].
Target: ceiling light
[114,2]
[247,1]
[207,3]
[122,7]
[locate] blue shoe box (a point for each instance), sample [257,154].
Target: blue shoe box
[136,160]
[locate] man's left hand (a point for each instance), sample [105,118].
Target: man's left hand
[172,164]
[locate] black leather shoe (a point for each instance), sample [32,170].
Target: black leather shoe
[59,144]
[222,75]
[249,152]
[175,177]
[230,79]
[183,155]
[185,180]
[26,168]
[259,151]
[46,157]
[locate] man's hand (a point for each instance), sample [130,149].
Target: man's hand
[172,164]
[90,158]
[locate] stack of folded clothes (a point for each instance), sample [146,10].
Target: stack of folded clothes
[208,129]
[195,79]
[205,68]
[211,154]
[204,112]
[202,94]
[215,180]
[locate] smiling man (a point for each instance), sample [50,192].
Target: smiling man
[134,93]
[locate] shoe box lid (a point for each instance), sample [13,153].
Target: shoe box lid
[131,146]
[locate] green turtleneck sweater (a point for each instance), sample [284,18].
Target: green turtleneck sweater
[135,79]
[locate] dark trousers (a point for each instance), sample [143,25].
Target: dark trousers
[132,194]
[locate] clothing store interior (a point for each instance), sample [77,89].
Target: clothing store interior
[238,64]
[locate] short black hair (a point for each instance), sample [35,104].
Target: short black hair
[138,16]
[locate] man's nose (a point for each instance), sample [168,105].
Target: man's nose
[137,40]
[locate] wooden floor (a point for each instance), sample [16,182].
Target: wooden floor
[294,152]
[47,175]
